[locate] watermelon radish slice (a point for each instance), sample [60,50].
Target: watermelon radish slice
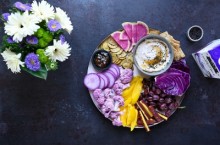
[105,79]
[128,28]
[134,34]
[111,79]
[124,44]
[92,81]
[142,30]
[124,36]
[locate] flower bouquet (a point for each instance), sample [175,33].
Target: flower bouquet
[34,40]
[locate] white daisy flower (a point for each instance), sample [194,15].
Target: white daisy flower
[30,23]
[14,27]
[59,51]
[43,10]
[64,20]
[12,60]
[20,25]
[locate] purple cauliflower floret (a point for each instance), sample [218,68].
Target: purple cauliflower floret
[101,101]
[126,86]
[126,76]
[107,107]
[119,101]
[109,103]
[97,93]
[106,112]
[118,88]
[118,91]
[117,122]
[109,93]
[114,115]
[118,85]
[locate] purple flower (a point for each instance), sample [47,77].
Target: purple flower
[53,25]
[5,16]
[32,62]
[62,38]
[22,7]
[10,40]
[32,40]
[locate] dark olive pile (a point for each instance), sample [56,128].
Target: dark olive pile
[153,96]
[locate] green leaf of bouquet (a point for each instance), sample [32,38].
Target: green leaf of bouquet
[42,73]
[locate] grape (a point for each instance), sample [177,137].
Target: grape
[172,106]
[150,99]
[161,100]
[146,102]
[168,100]
[163,95]
[168,113]
[176,104]
[156,97]
[152,104]
[163,106]
[158,91]
[145,91]
[151,93]
[145,86]
[153,89]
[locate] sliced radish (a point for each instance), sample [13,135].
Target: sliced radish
[92,81]
[114,71]
[102,83]
[111,79]
[106,80]
[116,67]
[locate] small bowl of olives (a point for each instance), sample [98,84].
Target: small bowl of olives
[101,60]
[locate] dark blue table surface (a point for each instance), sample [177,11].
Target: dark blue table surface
[59,111]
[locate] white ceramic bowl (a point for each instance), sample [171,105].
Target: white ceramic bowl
[151,36]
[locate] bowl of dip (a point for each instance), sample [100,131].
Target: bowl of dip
[153,55]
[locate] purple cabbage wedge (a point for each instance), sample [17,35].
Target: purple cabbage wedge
[176,80]
[180,65]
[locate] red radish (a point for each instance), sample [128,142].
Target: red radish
[92,81]
[124,44]
[111,79]
[106,80]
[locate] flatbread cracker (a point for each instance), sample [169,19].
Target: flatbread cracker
[178,53]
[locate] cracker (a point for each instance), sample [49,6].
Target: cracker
[178,53]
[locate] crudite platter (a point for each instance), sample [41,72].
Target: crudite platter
[137,76]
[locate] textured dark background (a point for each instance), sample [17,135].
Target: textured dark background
[59,111]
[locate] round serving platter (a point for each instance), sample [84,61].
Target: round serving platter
[136,72]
